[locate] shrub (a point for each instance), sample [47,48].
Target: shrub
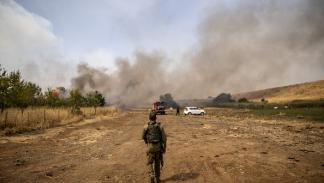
[224,98]
[243,100]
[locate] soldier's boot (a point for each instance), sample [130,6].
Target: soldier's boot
[152,180]
[157,180]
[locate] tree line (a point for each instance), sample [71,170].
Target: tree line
[16,92]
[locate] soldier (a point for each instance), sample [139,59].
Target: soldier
[155,138]
[178,111]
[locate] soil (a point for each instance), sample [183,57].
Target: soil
[225,145]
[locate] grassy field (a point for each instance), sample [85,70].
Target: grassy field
[308,109]
[13,120]
[315,114]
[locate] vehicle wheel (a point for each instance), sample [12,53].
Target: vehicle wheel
[189,113]
[202,113]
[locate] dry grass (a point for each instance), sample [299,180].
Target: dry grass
[304,91]
[13,120]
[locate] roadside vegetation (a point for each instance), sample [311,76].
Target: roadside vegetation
[314,114]
[25,107]
[308,109]
[12,121]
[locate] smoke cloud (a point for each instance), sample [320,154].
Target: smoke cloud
[242,46]
[28,44]
[131,84]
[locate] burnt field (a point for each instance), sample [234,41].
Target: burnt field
[226,145]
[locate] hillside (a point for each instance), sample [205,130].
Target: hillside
[309,90]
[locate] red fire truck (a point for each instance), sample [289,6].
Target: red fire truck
[159,107]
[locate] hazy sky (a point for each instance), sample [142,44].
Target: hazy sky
[43,34]
[117,28]
[222,45]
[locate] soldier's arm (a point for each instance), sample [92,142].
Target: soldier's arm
[144,134]
[164,138]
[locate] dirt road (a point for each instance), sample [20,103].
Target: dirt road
[227,146]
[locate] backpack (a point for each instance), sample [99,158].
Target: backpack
[154,134]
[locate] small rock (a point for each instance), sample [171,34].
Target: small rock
[300,117]
[216,156]
[49,174]
[20,162]
[264,152]
[306,151]
[293,158]
[244,148]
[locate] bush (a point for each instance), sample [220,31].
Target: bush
[243,100]
[224,98]
[263,100]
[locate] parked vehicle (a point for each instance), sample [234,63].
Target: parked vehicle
[159,107]
[193,111]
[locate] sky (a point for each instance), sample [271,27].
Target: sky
[112,45]
[97,32]
[115,28]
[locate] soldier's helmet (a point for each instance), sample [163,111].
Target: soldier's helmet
[152,116]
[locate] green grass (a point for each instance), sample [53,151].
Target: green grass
[316,114]
[306,103]
[259,105]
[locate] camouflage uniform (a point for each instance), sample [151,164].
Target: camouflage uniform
[154,152]
[178,111]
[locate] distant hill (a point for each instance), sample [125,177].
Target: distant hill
[309,90]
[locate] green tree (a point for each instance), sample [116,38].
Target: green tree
[29,95]
[52,99]
[76,100]
[263,100]
[243,100]
[15,92]
[95,99]
[223,98]
[101,101]
[4,86]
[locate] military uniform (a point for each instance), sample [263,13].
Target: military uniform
[155,148]
[178,111]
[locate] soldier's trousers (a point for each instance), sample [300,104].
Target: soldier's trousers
[153,164]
